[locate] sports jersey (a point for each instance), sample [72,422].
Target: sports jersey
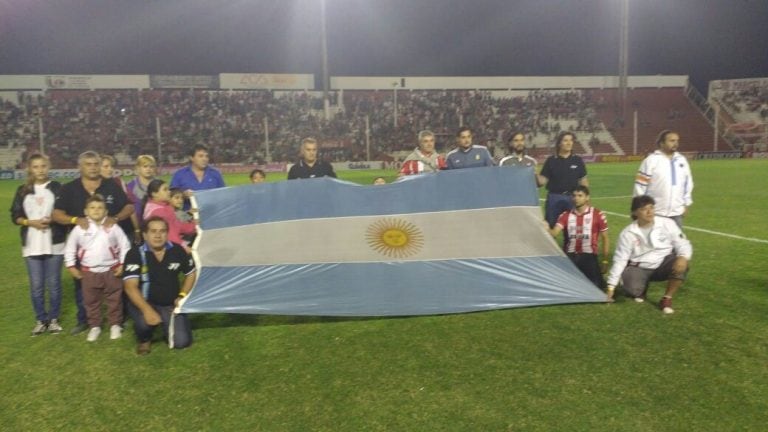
[475,156]
[513,160]
[581,231]
[417,163]
[164,283]
[97,249]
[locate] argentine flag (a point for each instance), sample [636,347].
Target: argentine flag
[447,242]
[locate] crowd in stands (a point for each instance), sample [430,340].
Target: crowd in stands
[753,99]
[233,122]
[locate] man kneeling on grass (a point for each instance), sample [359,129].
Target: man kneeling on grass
[151,282]
[650,249]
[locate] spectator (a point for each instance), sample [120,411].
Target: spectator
[582,227]
[95,256]
[158,203]
[42,242]
[650,249]
[424,158]
[666,177]
[517,157]
[146,169]
[309,166]
[198,175]
[561,173]
[467,155]
[107,172]
[257,176]
[154,293]
[69,209]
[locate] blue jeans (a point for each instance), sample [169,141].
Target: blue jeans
[45,271]
[182,330]
[556,204]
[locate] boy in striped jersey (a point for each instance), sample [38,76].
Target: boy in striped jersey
[582,226]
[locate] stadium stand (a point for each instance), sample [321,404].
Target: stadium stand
[743,110]
[124,122]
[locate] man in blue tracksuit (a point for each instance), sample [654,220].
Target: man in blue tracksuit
[467,155]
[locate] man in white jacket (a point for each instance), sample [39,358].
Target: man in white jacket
[651,248]
[666,176]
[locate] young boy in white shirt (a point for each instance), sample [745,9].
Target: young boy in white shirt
[101,252]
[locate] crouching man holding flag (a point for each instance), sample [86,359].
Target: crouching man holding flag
[652,248]
[151,282]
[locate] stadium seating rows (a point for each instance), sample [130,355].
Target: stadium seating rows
[233,123]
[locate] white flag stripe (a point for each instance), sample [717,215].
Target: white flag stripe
[464,234]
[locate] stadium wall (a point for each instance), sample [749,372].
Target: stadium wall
[502,83]
[251,81]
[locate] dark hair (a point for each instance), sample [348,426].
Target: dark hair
[255,171]
[581,188]
[152,188]
[95,198]
[176,191]
[197,148]
[512,136]
[463,129]
[559,140]
[145,224]
[640,202]
[663,136]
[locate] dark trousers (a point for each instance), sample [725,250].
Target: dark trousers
[182,331]
[81,316]
[587,263]
[106,286]
[555,205]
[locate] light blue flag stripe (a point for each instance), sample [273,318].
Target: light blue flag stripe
[395,289]
[327,197]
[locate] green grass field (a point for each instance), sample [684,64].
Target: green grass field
[619,367]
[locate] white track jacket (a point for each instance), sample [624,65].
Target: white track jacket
[632,246]
[98,249]
[668,181]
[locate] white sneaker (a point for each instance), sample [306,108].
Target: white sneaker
[54,326]
[639,299]
[115,332]
[39,328]
[93,334]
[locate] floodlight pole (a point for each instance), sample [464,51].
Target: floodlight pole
[267,154]
[326,99]
[367,138]
[717,125]
[634,134]
[394,104]
[41,133]
[623,57]
[159,138]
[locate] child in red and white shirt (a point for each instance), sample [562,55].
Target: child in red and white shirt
[100,250]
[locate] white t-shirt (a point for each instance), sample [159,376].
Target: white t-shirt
[39,206]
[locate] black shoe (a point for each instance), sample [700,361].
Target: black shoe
[79,328]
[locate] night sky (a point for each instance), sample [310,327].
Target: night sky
[706,39]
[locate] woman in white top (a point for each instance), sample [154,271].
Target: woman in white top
[42,241]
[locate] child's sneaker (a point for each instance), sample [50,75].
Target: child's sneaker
[115,332]
[54,327]
[39,328]
[666,305]
[93,334]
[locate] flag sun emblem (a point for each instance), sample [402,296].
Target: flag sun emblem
[394,238]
